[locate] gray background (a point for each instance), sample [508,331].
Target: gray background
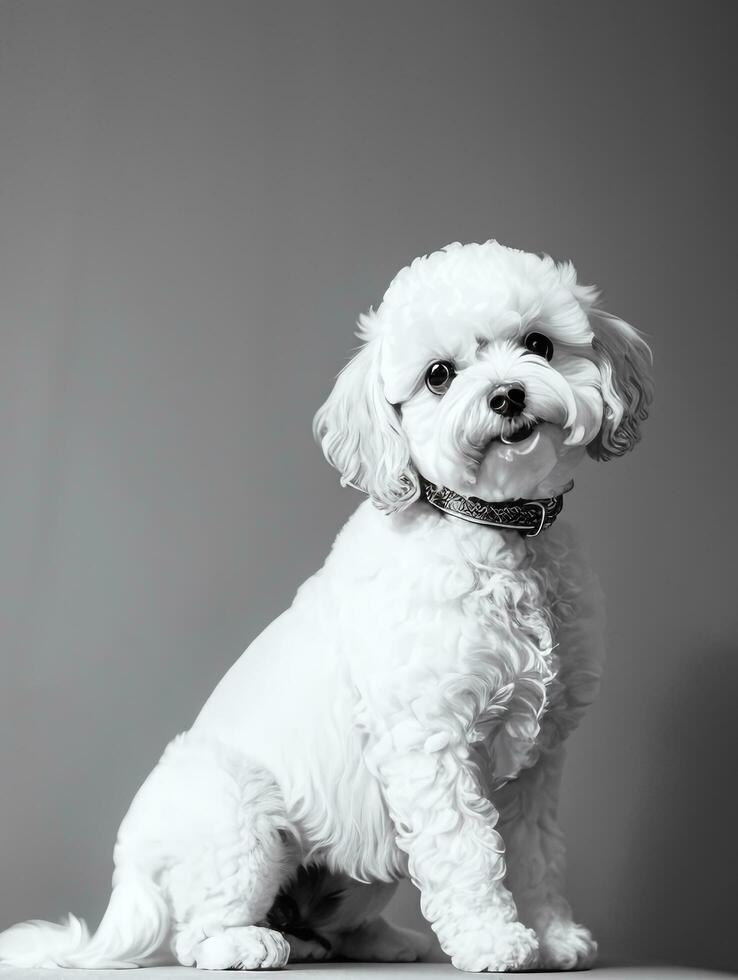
[196,200]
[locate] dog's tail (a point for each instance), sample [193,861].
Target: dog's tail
[134,926]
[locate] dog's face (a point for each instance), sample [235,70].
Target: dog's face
[487,370]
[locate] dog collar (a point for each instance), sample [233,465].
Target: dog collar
[530,517]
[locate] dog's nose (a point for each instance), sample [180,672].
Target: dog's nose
[508,400]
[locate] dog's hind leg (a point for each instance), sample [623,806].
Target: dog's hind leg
[225,847]
[201,854]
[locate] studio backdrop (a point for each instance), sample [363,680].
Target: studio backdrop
[196,201]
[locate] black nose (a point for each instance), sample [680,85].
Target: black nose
[508,400]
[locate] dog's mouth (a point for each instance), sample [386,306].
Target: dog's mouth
[511,437]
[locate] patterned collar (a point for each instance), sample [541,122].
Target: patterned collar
[530,517]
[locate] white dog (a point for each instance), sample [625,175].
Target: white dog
[407,715]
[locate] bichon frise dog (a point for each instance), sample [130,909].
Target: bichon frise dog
[406,716]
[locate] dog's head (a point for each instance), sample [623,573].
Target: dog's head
[487,370]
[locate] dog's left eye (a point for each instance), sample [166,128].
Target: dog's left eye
[538,343]
[439,376]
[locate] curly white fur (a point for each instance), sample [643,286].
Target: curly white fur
[407,714]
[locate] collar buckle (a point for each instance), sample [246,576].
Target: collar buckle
[544,514]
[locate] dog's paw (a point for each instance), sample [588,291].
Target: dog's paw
[566,946]
[243,948]
[505,947]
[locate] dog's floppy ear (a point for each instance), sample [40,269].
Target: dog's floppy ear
[361,435]
[624,359]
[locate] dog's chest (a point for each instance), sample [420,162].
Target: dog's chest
[440,618]
[471,627]
[508,639]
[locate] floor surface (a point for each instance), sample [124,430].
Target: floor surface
[364,971]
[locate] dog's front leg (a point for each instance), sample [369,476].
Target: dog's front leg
[536,863]
[455,856]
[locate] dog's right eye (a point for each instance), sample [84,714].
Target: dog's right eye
[439,376]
